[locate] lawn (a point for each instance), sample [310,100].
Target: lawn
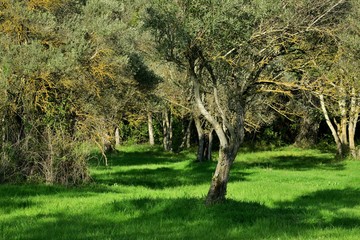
[144,193]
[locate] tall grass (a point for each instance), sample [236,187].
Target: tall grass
[148,194]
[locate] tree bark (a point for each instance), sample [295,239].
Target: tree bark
[343,121]
[218,187]
[209,151]
[49,163]
[337,139]
[188,135]
[151,129]
[185,143]
[201,138]
[117,136]
[167,130]
[308,132]
[229,146]
[353,118]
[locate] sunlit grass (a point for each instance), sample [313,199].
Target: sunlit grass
[145,193]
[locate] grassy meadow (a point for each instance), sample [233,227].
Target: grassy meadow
[287,193]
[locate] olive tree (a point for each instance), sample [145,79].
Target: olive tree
[227,47]
[326,72]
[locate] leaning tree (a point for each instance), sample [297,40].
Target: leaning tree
[227,47]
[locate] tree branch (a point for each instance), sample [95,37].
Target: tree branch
[324,14]
[219,131]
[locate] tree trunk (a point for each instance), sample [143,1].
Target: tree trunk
[49,162]
[230,140]
[151,129]
[211,138]
[4,156]
[353,118]
[308,132]
[167,131]
[21,134]
[343,113]
[117,136]
[337,139]
[188,135]
[185,143]
[109,145]
[352,146]
[201,138]
[217,191]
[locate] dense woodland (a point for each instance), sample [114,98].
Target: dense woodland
[215,75]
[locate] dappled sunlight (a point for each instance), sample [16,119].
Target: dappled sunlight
[138,199]
[188,218]
[162,177]
[289,158]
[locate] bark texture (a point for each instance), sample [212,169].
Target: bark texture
[337,139]
[117,136]
[230,136]
[151,129]
[218,187]
[353,119]
[201,139]
[167,131]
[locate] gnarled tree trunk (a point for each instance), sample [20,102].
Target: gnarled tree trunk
[218,187]
[230,136]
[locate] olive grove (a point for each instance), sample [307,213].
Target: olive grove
[80,71]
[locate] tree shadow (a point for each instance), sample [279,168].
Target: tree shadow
[14,197]
[188,218]
[325,208]
[299,163]
[183,218]
[8,205]
[164,177]
[136,158]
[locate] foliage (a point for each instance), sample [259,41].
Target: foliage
[233,50]
[65,80]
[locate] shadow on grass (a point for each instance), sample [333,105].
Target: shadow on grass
[7,205]
[188,218]
[163,174]
[18,197]
[299,163]
[333,201]
[151,155]
[164,177]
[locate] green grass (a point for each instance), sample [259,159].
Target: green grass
[147,194]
